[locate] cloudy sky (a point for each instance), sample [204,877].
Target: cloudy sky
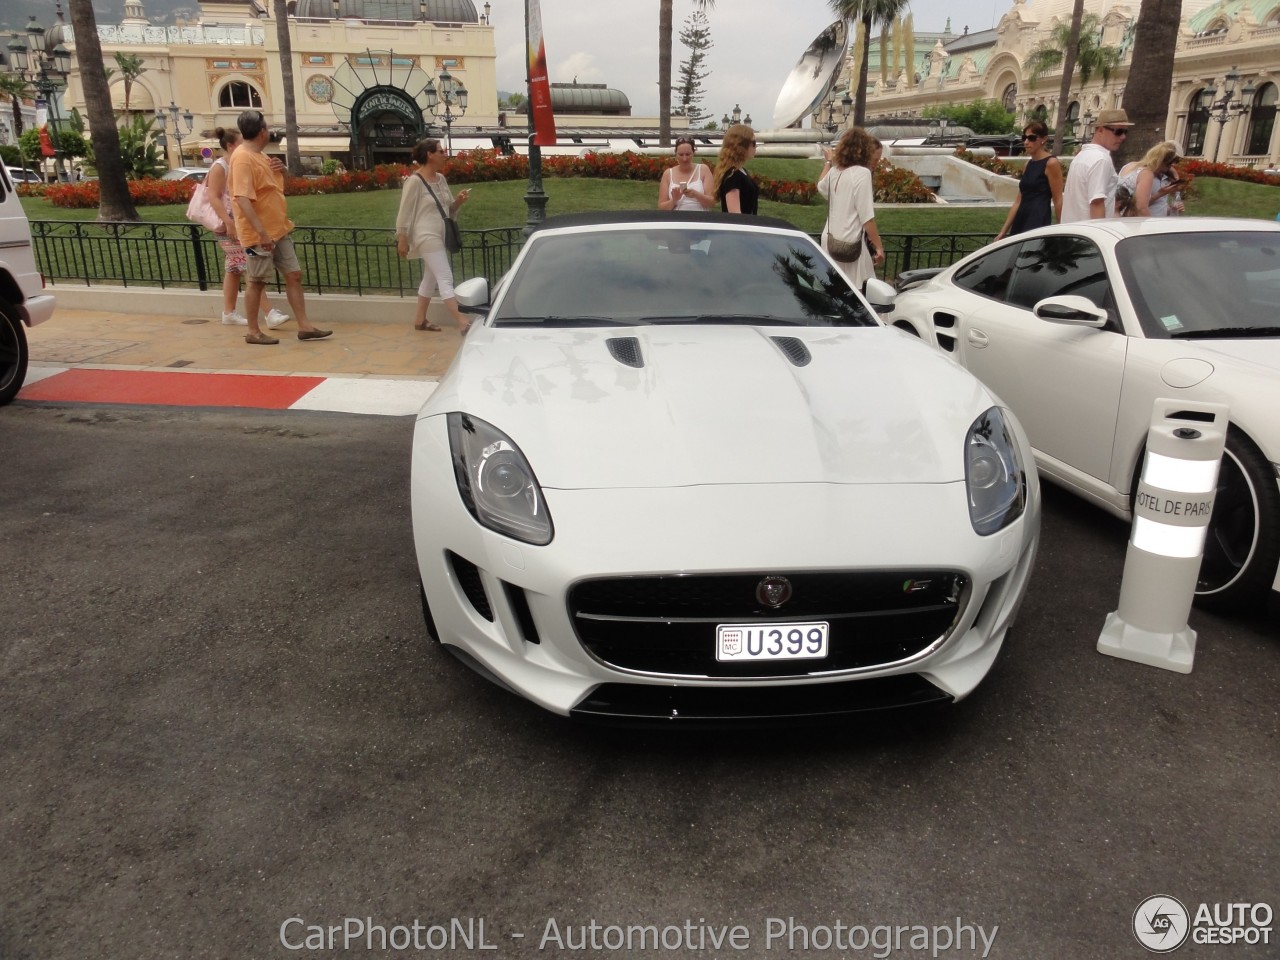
[756,44]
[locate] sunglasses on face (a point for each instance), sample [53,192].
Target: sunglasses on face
[1118,131]
[1031,136]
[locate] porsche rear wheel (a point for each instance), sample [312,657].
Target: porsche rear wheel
[1242,547]
[13,353]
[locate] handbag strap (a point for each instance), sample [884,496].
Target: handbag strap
[443,215]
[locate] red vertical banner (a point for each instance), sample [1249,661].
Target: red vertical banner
[544,120]
[46,144]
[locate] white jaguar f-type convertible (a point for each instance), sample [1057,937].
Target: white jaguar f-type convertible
[680,470]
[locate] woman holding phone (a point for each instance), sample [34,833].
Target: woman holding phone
[687,185]
[1149,182]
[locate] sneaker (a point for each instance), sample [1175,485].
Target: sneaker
[234,319]
[275,318]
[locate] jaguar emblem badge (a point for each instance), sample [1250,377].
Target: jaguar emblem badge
[773,591]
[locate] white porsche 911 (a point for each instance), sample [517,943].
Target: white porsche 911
[1081,327]
[680,470]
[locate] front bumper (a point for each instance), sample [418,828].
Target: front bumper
[504,603]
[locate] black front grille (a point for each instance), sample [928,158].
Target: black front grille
[667,624]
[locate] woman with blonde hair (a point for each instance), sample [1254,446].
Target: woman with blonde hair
[687,185]
[735,190]
[425,202]
[1145,185]
[846,182]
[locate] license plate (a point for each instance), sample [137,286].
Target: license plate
[771,641]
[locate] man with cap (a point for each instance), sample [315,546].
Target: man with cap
[1091,178]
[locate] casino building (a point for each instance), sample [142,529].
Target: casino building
[360,69]
[1224,47]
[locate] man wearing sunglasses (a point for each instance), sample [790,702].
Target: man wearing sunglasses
[1091,178]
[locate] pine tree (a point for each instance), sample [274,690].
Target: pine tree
[696,35]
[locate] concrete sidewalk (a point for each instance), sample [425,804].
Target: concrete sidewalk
[144,330]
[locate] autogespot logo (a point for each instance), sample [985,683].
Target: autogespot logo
[1161,924]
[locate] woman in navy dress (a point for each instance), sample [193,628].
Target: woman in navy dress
[1039,200]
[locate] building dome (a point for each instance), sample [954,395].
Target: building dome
[431,11]
[586,98]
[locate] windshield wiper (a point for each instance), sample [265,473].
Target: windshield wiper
[1226,333]
[749,318]
[567,322]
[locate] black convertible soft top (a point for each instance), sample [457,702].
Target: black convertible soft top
[596,217]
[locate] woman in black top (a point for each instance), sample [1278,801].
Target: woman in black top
[1039,200]
[735,190]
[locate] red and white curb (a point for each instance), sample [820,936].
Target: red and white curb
[367,395]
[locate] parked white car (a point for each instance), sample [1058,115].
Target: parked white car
[23,175]
[23,302]
[187,173]
[680,470]
[1081,327]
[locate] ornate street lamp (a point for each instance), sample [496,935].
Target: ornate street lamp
[938,130]
[736,117]
[46,70]
[444,95]
[844,105]
[1220,111]
[175,113]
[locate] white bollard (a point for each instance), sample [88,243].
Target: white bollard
[1170,516]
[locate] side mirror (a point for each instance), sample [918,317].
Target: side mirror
[1078,311]
[880,295]
[473,295]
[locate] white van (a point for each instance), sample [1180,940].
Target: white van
[23,302]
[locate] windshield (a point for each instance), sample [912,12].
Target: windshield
[1204,285]
[689,275]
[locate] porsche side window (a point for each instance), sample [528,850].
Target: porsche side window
[1055,266]
[989,276]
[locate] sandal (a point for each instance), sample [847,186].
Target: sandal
[429,327]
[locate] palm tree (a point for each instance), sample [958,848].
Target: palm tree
[1076,47]
[869,13]
[664,65]
[1150,74]
[114,202]
[130,69]
[15,88]
[293,155]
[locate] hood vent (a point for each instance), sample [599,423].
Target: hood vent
[626,350]
[794,350]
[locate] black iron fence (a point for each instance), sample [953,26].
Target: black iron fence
[185,256]
[340,259]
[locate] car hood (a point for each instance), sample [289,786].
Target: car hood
[718,404]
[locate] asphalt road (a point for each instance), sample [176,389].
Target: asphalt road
[219,716]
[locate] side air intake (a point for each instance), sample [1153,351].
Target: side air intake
[793,349]
[626,350]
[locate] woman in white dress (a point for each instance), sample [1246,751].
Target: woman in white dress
[687,185]
[846,182]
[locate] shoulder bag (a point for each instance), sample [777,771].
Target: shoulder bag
[452,235]
[201,211]
[843,251]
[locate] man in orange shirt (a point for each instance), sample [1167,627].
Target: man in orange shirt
[263,226]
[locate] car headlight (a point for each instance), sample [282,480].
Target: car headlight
[496,482]
[996,481]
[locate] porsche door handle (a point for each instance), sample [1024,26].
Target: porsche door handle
[977,339]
